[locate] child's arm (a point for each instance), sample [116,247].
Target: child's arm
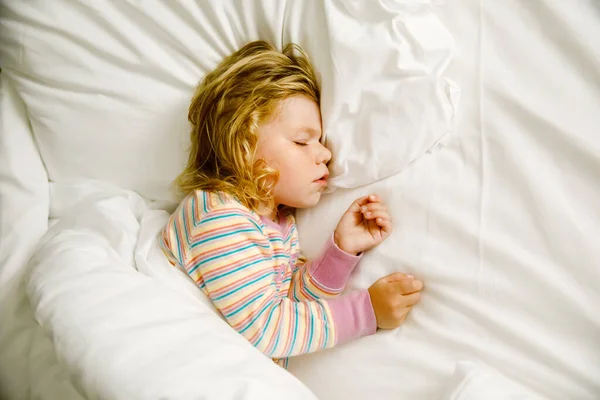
[228,256]
[324,277]
[363,226]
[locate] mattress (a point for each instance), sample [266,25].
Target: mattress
[490,176]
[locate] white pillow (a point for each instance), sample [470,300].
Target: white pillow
[385,103]
[107,84]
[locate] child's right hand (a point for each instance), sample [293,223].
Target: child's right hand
[392,297]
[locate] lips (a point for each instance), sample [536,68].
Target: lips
[322,181]
[323,178]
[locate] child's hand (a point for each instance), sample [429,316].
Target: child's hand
[393,297]
[363,226]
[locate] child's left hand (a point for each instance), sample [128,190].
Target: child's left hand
[363,226]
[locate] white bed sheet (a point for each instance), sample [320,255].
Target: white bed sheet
[499,225]
[75,63]
[502,225]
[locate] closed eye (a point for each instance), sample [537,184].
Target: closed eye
[301,144]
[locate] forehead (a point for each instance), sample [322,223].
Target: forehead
[299,113]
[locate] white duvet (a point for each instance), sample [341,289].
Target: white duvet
[501,224]
[124,322]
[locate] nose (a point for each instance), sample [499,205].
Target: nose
[324,155]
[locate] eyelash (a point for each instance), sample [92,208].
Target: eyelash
[301,144]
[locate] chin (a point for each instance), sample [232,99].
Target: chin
[308,202]
[313,200]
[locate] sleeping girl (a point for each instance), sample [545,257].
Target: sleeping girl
[255,157]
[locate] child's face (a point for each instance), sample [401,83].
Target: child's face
[289,142]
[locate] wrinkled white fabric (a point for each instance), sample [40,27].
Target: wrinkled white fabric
[385,102]
[501,224]
[471,382]
[124,322]
[107,84]
[28,364]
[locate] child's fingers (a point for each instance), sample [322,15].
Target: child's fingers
[394,277]
[365,201]
[377,214]
[372,207]
[411,299]
[408,285]
[385,224]
[359,203]
[381,218]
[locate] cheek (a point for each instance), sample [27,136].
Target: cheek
[292,167]
[267,151]
[288,169]
[296,162]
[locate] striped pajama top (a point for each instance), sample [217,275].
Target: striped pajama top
[252,270]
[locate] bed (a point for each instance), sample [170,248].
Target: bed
[476,122]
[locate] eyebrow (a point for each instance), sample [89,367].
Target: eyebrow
[313,132]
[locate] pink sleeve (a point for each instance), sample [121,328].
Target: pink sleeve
[353,316]
[323,278]
[333,268]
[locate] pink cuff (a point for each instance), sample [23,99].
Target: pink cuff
[353,316]
[333,268]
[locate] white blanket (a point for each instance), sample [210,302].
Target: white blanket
[128,325]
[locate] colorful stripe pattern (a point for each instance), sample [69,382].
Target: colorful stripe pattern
[252,272]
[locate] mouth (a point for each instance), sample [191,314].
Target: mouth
[322,180]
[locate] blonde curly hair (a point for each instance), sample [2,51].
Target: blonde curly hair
[225,113]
